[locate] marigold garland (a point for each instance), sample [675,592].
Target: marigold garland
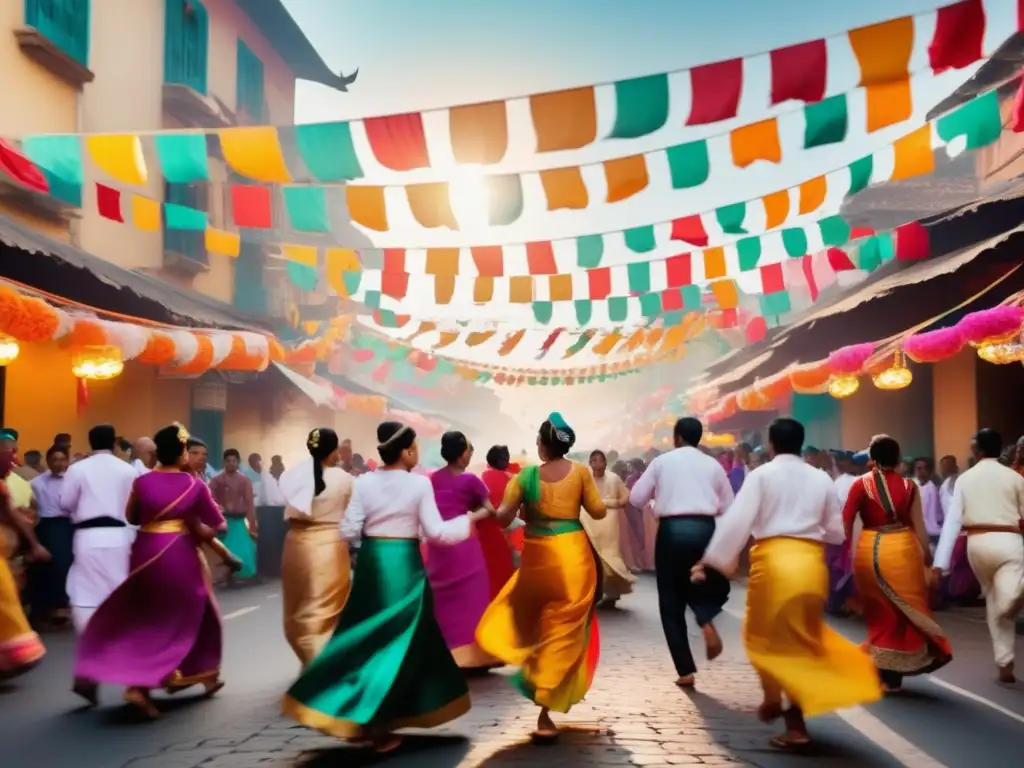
[36,322]
[159,349]
[202,361]
[87,333]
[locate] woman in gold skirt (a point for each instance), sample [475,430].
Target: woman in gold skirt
[315,570]
[543,621]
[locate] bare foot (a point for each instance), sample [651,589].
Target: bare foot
[87,691]
[139,699]
[1006,675]
[546,730]
[712,641]
[686,681]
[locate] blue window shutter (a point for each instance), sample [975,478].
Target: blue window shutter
[186,43]
[65,23]
[248,84]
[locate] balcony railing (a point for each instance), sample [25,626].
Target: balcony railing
[186,44]
[65,23]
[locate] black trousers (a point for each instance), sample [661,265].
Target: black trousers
[47,590]
[679,546]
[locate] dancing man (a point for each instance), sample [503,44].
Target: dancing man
[792,511]
[95,494]
[689,489]
[988,503]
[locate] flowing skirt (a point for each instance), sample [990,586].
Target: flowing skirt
[386,666]
[604,536]
[902,635]
[20,647]
[315,582]
[961,585]
[237,539]
[840,577]
[161,627]
[461,586]
[544,622]
[497,555]
[787,640]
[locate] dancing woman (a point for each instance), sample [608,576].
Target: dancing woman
[387,666]
[20,647]
[497,544]
[543,621]
[315,570]
[458,573]
[889,569]
[161,628]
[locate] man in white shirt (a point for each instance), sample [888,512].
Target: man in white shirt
[95,494]
[144,452]
[949,472]
[791,510]
[690,489]
[988,503]
[47,580]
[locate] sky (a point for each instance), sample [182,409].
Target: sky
[416,55]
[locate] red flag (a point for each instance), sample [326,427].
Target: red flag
[912,242]
[600,282]
[799,72]
[959,36]
[690,229]
[715,91]
[21,169]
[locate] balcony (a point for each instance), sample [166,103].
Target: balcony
[56,36]
[184,250]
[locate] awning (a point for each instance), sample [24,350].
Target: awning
[1001,70]
[323,395]
[896,298]
[70,273]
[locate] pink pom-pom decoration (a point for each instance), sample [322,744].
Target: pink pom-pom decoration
[850,360]
[995,323]
[933,346]
[362,355]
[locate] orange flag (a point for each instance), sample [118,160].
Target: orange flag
[479,132]
[510,343]
[776,208]
[564,188]
[625,176]
[883,53]
[564,119]
[366,207]
[813,194]
[714,263]
[757,141]
[913,154]
[431,206]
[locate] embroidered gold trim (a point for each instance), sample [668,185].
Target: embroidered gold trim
[347,729]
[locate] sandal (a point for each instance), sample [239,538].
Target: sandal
[545,737]
[387,744]
[212,689]
[141,701]
[787,744]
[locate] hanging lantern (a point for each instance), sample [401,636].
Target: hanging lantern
[1002,353]
[9,349]
[896,376]
[97,363]
[843,385]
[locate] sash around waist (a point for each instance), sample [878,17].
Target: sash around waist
[100,522]
[973,530]
[165,526]
[550,526]
[304,524]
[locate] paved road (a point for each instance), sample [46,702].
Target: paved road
[634,715]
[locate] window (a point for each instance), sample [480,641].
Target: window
[186,36]
[187,244]
[249,86]
[65,23]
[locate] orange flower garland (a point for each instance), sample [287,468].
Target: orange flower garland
[811,379]
[37,321]
[239,359]
[87,333]
[159,349]
[202,361]
[11,309]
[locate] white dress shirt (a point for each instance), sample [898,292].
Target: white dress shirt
[683,482]
[271,491]
[946,495]
[986,494]
[785,497]
[47,488]
[398,505]
[97,486]
[139,467]
[843,485]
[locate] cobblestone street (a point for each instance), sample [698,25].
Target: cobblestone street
[634,714]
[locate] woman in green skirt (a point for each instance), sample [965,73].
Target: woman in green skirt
[387,666]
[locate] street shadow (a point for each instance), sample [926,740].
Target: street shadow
[756,735]
[418,751]
[576,747]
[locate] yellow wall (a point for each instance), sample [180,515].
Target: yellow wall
[955,398]
[41,399]
[905,414]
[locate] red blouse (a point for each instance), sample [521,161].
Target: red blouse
[495,480]
[863,500]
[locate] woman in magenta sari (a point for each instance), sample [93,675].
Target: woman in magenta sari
[458,574]
[161,628]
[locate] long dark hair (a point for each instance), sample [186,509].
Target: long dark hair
[321,443]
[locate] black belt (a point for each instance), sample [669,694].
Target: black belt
[100,522]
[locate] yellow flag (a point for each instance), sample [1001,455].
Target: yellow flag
[224,243]
[145,214]
[300,254]
[119,156]
[255,152]
[338,261]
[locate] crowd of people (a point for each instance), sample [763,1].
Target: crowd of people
[459,573]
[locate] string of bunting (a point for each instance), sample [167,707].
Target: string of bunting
[885,54]
[430,205]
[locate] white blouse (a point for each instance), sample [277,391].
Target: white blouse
[398,505]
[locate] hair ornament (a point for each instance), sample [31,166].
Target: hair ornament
[560,425]
[182,434]
[313,441]
[394,437]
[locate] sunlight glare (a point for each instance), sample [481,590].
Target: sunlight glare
[470,197]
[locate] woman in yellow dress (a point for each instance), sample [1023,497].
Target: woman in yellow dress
[543,621]
[20,647]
